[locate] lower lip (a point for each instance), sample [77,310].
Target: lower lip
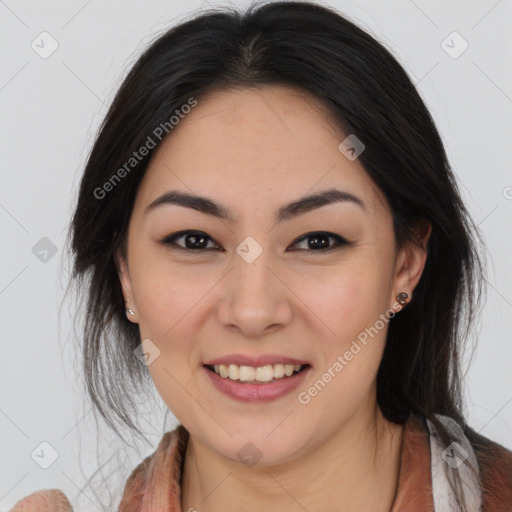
[257,392]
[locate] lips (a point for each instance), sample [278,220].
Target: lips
[263,360]
[257,391]
[275,375]
[256,374]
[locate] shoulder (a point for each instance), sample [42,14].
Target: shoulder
[159,474]
[495,467]
[47,500]
[492,484]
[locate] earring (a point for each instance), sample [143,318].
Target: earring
[129,311]
[402,297]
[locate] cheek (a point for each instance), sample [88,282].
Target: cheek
[348,362]
[169,305]
[168,317]
[351,304]
[168,294]
[351,300]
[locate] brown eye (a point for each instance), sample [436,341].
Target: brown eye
[319,241]
[193,240]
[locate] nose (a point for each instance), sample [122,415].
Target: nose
[255,299]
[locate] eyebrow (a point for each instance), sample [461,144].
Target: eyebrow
[288,211]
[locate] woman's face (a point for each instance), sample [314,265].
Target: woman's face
[249,287]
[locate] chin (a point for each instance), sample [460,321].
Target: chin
[254,446]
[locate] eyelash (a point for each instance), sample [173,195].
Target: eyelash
[170,240]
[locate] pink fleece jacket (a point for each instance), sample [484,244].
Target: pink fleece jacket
[155,483]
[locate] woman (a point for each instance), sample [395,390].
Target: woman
[268,229]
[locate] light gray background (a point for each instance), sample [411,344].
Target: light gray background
[50,110]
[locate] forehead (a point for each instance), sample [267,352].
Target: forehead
[260,143]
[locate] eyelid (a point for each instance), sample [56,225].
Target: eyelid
[340,241]
[170,240]
[328,234]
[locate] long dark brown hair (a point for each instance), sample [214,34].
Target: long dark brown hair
[368,93]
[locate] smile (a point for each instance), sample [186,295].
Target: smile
[261,384]
[253,374]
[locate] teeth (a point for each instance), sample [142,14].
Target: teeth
[252,374]
[233,372]
[246,373]
[279,370]
[264,373]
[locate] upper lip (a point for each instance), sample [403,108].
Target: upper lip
[263,360]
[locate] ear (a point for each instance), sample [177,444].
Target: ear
[126,284]
[410,261]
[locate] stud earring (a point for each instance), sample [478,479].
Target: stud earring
[129,311]
[402,297]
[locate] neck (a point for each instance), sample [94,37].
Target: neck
[354,470]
